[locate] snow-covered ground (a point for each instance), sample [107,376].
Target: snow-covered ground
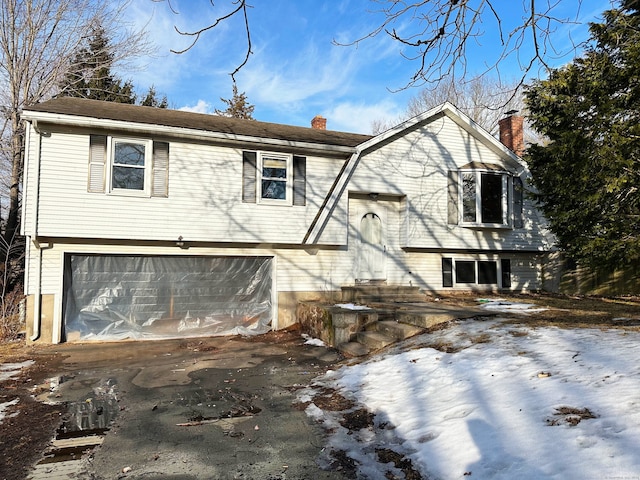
[507,402]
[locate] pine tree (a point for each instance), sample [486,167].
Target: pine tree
[90,74]
[237,106]
[588,173]
[151,99]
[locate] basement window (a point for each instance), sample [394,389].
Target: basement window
[476,272]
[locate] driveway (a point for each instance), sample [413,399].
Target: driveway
[213,408]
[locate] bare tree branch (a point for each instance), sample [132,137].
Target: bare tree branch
[240,8]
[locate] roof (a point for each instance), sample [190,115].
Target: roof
[82,107]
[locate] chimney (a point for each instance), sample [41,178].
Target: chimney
[511,132]
[319,123]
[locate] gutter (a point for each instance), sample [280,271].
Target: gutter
[38,290]
[179,132]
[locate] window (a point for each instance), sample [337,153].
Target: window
[128,162]
[476,272]
[128,166]
[273,178]
[484,197]
[274,184]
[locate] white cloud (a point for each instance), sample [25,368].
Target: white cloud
[359,117]
[200,107]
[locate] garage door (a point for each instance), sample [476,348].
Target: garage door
[114,297]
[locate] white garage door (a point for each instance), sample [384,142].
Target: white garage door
[113,297]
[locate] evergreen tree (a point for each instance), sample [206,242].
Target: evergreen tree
[90,75]
[588,173]
[151,99]
[237,106]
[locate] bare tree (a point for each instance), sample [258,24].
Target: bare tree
[435,34]
[484,99]
[37,41]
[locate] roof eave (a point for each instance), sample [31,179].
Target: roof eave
[180,132]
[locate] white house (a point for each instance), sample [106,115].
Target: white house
[144,222]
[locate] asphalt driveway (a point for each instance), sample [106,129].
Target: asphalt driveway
[214,408]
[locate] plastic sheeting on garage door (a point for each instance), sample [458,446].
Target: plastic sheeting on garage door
[114,297]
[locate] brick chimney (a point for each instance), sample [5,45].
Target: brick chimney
[511,132]
[319,123]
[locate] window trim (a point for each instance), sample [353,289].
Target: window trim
[288,200]
[148,165]
[507,196]
[450,272]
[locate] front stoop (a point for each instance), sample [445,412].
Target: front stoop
[375,293]
[391,313]
[396,330]
[374,340]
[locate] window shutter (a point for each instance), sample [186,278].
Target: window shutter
[299,180]
[447,272]
[505,266]
[518,201]
[452,198]
[160,172]
[249,173]
[97,163]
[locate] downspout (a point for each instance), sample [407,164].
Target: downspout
[38,272]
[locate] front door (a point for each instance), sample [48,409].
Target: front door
[372,249]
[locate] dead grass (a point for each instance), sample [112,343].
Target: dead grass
[567,310]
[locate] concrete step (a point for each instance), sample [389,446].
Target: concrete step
[397,331]
[374,340]
[397,298]
[436,314]
[353,293]
[353,349]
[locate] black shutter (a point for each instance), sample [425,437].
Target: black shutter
[299,180]
[518,201]
[447,272]
[505,267]
[452,198]
[249,174]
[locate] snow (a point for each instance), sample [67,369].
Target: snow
[10,370]
[500,305]
[490,407]
[7,371]
[351,306]
[316,342]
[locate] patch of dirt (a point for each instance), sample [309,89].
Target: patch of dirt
[567,311]
[357,420]
[343,463]
[28,425]
[386,455]
[331,400]
[570,415]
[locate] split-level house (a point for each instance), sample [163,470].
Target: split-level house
[144,222]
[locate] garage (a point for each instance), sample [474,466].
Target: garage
[117,297]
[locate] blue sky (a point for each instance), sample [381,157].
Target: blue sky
[296,71]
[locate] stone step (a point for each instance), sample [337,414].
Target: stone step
[435,314]
[396,298]
[353,293]
[397,331]
[353,349]
[374,340]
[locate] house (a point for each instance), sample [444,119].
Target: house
[151,223]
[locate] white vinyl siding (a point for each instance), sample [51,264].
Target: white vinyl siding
[417,166]
[204,204]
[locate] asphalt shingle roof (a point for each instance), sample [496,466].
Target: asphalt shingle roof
[212,123]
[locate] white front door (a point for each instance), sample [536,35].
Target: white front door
[372,248]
